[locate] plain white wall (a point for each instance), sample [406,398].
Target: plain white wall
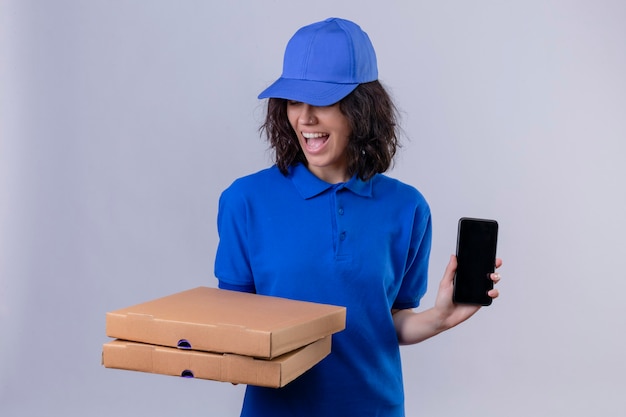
[122,121]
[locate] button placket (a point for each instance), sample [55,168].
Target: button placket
[342,233]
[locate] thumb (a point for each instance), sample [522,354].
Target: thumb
[448,275]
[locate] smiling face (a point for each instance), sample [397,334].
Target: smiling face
[323,134]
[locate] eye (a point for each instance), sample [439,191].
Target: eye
[293,102]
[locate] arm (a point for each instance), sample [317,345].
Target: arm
[414,327]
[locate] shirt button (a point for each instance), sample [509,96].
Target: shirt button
[342,236]
[341,210]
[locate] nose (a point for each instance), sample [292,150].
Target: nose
[307,115]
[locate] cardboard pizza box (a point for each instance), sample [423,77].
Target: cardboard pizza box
[227,367]
[215,320]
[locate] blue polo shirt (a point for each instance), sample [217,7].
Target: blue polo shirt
[361,244]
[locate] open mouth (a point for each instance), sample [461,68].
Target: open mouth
[315,141]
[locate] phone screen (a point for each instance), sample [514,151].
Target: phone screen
[476,258]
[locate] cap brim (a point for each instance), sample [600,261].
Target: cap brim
[315,93]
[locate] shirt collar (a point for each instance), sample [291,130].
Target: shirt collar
[309,186]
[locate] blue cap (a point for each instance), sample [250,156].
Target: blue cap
[324,62]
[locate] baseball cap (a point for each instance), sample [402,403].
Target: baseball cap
[324,62]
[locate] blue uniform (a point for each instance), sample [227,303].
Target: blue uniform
[361,244]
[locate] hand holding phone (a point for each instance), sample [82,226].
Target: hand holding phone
[476,259]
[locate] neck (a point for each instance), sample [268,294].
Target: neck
[329,175]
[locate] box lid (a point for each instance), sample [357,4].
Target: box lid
[215,320]
[227,367]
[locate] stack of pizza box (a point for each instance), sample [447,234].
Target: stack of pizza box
[222,335]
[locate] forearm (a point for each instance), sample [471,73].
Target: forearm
[412,327]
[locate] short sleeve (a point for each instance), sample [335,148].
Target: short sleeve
[232,263]
[415,280]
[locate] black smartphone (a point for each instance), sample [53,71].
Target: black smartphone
[476,260]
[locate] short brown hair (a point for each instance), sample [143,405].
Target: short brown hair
[373,121]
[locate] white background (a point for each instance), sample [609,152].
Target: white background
[122,121]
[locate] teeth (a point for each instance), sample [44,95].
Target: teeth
[313,135]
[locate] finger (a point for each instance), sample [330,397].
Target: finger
[448,275]
[498,262]
[493,293]
[495,277]
[451,267]
[452,263]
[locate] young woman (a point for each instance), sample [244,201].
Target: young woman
[325,225]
